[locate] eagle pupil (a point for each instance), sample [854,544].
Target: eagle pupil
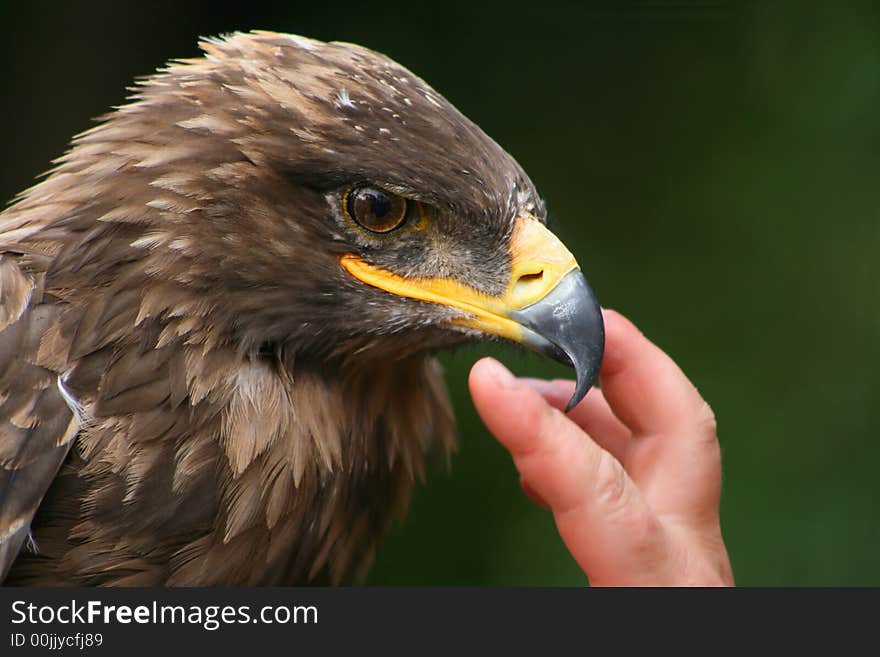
[381,205]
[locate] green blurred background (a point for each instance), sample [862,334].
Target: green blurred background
[714,166]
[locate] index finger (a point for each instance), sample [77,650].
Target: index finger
[644,386]
[675,456]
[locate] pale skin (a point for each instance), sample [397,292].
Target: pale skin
[632,474]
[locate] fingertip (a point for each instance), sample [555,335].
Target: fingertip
[615,316]
[490,384]
[510,409]
[619,320]
[488,371]
[481,368]
[622,337]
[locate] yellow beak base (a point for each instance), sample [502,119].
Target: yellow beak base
[539,261]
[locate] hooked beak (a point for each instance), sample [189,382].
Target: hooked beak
[548,305]
[567,325]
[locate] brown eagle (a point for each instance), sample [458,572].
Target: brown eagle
[218,315]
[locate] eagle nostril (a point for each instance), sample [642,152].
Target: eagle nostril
[526,282]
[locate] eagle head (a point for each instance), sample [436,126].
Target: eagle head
[341,206]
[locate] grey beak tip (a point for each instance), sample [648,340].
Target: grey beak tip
[580,391]
[587,372]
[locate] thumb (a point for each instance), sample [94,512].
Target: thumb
[599,511]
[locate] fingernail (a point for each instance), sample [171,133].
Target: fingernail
[500,374]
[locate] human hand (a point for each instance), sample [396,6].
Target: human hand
[632,474]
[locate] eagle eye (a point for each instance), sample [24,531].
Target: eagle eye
[375,209]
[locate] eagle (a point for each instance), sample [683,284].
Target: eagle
[220,311]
